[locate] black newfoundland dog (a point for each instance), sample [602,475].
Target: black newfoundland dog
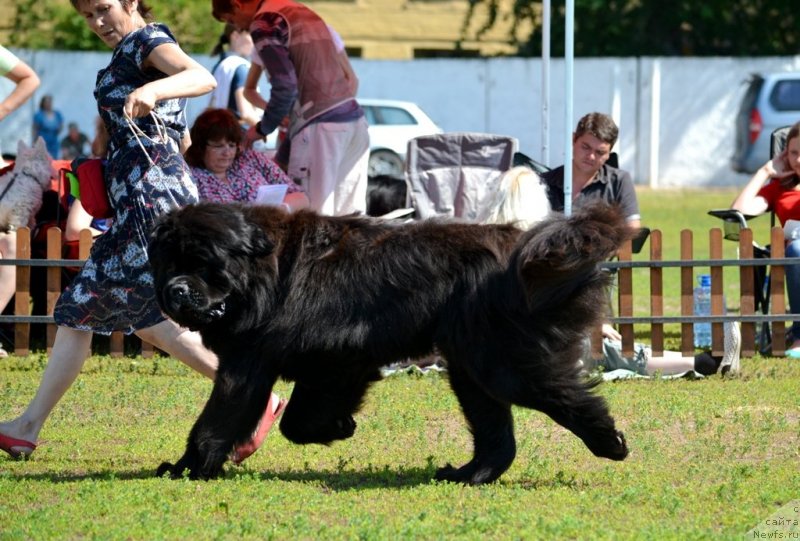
[326,301]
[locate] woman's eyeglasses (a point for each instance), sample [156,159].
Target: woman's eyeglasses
[221,147]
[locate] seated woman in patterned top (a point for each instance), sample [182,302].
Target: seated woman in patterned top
[224,172]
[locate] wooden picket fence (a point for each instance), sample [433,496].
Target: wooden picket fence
[624,266]
[55,265]
[715,263]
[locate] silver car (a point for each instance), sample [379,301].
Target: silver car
[392,124]
[771,101]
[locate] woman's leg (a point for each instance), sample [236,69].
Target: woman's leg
[673,362]
[8,273]
[792,273]
[183,344]
[70,350]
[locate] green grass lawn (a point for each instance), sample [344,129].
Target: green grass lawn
[710,459]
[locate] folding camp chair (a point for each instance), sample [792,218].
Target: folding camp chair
[457,174]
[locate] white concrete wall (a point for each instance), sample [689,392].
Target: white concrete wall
[693,119]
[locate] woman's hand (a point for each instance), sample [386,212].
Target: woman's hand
[778,167]
[139,102]
[748,201]
[251,136]
[186,79]
[610,332]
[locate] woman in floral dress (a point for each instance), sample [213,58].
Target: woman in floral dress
[140,98]
[224,172]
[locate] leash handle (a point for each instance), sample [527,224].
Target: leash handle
[138,132]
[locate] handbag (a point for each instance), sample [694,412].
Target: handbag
[92,187]
[91,179]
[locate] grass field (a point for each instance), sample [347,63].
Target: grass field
[711,459]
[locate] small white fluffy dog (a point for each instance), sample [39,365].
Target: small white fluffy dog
[521,199]
[21,189]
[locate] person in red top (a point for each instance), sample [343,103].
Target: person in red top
[776,187]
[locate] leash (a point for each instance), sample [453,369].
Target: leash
[13,179]
[137,132]
[11,183]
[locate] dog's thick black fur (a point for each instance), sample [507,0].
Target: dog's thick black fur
[326,301]
[385,193]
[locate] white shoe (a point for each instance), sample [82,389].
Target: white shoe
[733,348]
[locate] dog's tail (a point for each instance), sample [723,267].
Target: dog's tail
[557,270]
[556,293]
[520,339]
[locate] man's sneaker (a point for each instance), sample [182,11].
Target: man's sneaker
[733,348]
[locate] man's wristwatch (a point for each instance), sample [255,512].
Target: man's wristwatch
[258,131]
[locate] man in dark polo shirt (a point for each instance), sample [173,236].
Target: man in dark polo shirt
[592,178]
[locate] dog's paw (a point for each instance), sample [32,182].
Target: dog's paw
[621,452]
[345,427]
[324,431]
[188,466]
[447,473]
[468,474]
[462,475]
[171,469]
[612,446]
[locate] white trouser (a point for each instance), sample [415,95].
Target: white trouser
[329,160]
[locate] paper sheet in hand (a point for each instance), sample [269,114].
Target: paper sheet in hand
[271,194]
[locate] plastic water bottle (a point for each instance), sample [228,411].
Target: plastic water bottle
[702,307]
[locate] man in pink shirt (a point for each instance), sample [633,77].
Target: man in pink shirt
[313,82]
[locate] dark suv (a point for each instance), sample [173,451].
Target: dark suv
[771,101]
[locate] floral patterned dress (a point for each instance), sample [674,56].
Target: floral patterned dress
[248,171]
[146,177]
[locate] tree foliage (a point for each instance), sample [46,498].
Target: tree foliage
[658,27]
[54,24]
[602,27]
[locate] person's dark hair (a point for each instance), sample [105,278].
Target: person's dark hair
[600,125]
[144,10]
[794,180]
[46,98]
[211,125]
[220,8]
[224,39]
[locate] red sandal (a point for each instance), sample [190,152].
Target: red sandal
[7,442]
[241,452]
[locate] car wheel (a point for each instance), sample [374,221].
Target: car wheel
[385,162]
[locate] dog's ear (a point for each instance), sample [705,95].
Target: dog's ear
[39,145]
[162,225]
[260,244]
[22,147]
[160,234]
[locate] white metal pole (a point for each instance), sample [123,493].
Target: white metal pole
[655,122]
[545,82]
[569,39]
[616,95]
